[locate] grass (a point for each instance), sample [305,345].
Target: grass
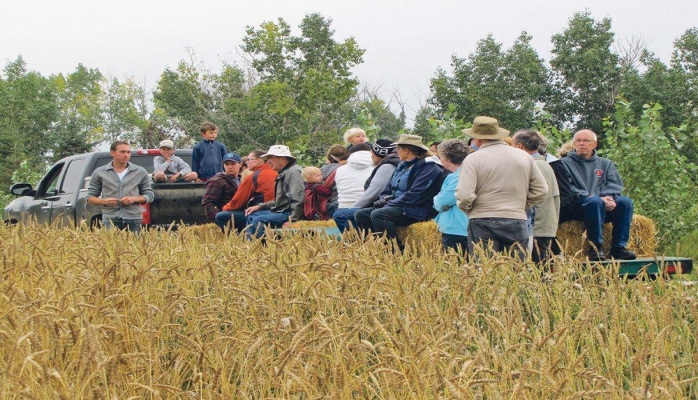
[195,314]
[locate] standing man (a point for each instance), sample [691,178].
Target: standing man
[119,187]
[289,194]
[547,213]
[497,184]
[222,186]
[597,186]
[255,188]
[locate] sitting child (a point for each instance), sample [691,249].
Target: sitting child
[317,194]
[170,168]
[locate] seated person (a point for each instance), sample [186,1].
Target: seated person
[596,186]
[354,136]
[221,187]
[317,194]
[170,168]
[289,195]
[408,198]
[385,160]
[350,177]
[255,188]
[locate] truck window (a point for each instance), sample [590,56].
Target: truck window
[49,185]
[73,179]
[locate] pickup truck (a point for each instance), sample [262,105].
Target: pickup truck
[60,197]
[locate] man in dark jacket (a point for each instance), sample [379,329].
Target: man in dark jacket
[596,186]
[222,186]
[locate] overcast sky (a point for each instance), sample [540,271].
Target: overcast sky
[405,40]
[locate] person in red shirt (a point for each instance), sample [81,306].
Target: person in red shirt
[257,187]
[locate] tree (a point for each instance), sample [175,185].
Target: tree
[586,74]
[80,125]
[505,84]
[125,113]
[665,188]
[28,108]
[304,82]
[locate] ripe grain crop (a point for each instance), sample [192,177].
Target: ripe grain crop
[198,315]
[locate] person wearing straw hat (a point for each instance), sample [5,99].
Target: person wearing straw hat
[290,194]
[408,197]
[497,184]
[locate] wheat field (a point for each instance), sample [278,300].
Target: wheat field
[195,314]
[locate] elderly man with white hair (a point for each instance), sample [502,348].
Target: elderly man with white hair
[290,194]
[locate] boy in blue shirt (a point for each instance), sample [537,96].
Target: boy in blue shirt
[207,155]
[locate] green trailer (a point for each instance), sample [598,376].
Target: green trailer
[653,266]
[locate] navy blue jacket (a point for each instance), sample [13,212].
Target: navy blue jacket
[207,158]
[417,201]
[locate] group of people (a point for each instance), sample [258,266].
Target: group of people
[500,193]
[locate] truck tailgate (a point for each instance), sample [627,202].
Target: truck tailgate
[179,203]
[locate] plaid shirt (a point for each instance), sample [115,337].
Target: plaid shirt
[219,190]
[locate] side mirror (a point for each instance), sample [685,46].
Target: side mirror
[20,189]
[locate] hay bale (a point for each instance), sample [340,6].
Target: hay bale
[313,224]
[573,239]
[327,227]
[421,234]
[204,233]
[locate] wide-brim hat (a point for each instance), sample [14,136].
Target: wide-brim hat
[486,128]
[278,150]
[411,140]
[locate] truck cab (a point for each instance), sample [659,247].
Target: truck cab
[59,198]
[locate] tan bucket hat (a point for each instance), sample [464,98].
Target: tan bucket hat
[278,150]
[486,128]
[411,140]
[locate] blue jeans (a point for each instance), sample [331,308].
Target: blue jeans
[344,217]
[133,225]
[238,217]
[258,221]
[592,211]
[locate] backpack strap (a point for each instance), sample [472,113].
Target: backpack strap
[329,181]
[255,176]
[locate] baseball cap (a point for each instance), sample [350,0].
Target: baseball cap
[231,157]
[166,143]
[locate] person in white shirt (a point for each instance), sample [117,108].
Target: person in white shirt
[350,178]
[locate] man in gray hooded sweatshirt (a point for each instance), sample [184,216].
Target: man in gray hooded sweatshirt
[596,186]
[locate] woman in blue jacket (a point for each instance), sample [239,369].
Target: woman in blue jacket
[452,221]
[409,195]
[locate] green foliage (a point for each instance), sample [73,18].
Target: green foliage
[657,177]
[79,125]
[586,73]
[29,107]
[450,126]
[505,84]
[305,84]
